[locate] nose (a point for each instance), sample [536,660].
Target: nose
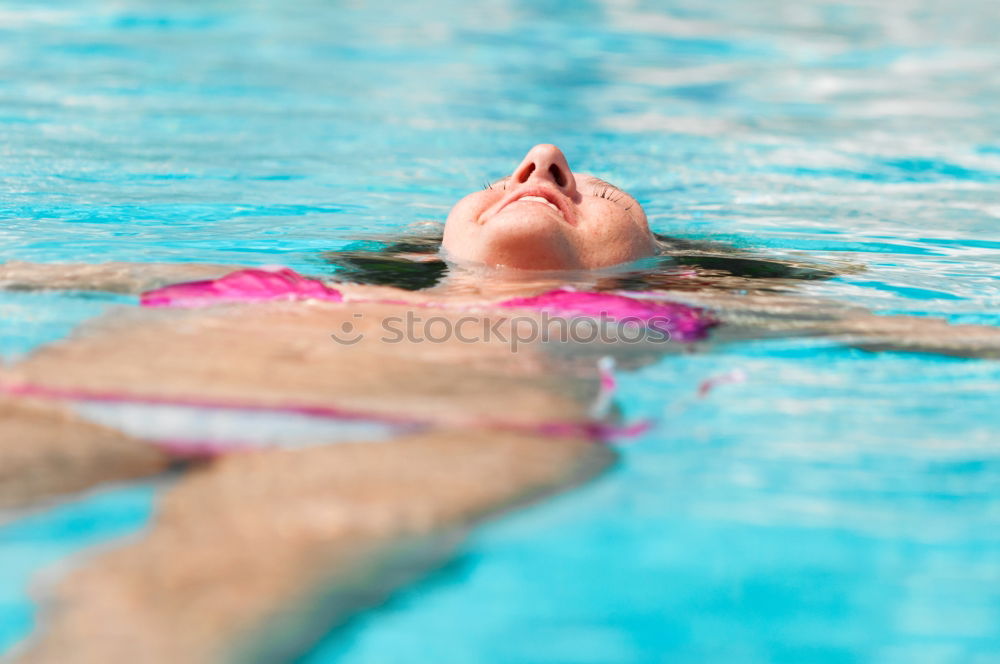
[546,162]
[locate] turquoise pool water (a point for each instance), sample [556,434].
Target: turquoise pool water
[837,506]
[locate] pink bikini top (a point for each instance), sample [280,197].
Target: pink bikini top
[681,322]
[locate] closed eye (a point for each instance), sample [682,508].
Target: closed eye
[612,193]
[497,184]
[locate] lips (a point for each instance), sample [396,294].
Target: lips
[540,196]
[539,199]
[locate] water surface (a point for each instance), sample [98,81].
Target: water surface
[838,506]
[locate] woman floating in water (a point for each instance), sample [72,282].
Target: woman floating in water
[255,554]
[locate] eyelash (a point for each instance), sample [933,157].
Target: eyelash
[614,195]
[608,192]
[489,185]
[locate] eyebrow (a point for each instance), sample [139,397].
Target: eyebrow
[604,183]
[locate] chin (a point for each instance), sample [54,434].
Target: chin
[525,261]
[526,243]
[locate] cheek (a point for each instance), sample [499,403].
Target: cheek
[461,224]
[603,219]
[471,207]
[611,235]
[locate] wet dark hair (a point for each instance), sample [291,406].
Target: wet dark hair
[413,263]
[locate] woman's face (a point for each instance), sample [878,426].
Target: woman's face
[545,217]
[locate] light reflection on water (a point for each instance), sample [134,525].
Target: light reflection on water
[838,506]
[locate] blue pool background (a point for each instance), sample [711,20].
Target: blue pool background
[838,506]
